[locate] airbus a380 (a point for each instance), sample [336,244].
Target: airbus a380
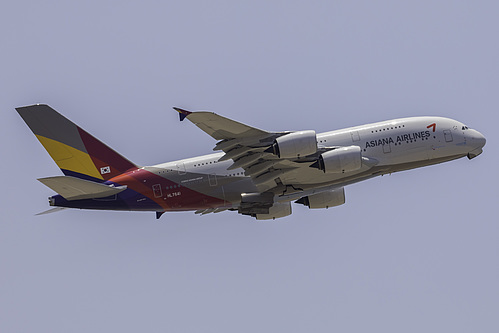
[256,173]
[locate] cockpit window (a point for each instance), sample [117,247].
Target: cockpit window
[465,128]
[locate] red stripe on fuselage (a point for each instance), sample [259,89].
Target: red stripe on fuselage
[177,197]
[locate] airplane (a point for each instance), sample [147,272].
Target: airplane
[256,173]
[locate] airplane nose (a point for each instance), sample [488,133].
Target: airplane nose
[477,139]
[476,142]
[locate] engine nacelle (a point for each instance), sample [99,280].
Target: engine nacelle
[296,144]
[276,211]
[340,160]
[326,199]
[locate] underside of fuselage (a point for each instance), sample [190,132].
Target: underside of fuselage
[161,194]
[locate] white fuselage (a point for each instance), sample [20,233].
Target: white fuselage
[395,145]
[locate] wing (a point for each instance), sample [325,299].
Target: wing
[221,128]
[251,148]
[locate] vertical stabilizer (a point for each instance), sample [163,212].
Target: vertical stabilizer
[76,152]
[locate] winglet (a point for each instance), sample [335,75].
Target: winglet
[182,113]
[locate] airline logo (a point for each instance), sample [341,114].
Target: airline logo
[423,135]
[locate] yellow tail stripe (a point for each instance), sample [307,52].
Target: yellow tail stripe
[69,158]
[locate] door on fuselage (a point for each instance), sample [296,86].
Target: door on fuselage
[212,178]
[438,143]
[448,135]
[156,189]
[181,169]
[387,148]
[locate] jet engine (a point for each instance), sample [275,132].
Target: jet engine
[340,160]
[326,199]
[296,144]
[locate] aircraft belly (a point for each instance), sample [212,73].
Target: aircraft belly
[403,156]
[225,190]
[308,179]
[125,201]
[307,175]
[228,189]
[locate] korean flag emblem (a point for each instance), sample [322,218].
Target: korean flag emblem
[105,170]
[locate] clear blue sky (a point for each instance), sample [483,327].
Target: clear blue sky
[412,252]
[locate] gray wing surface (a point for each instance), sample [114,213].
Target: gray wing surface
[246,146]
[221,128]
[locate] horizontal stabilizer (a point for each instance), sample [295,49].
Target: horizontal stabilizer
[72,188]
